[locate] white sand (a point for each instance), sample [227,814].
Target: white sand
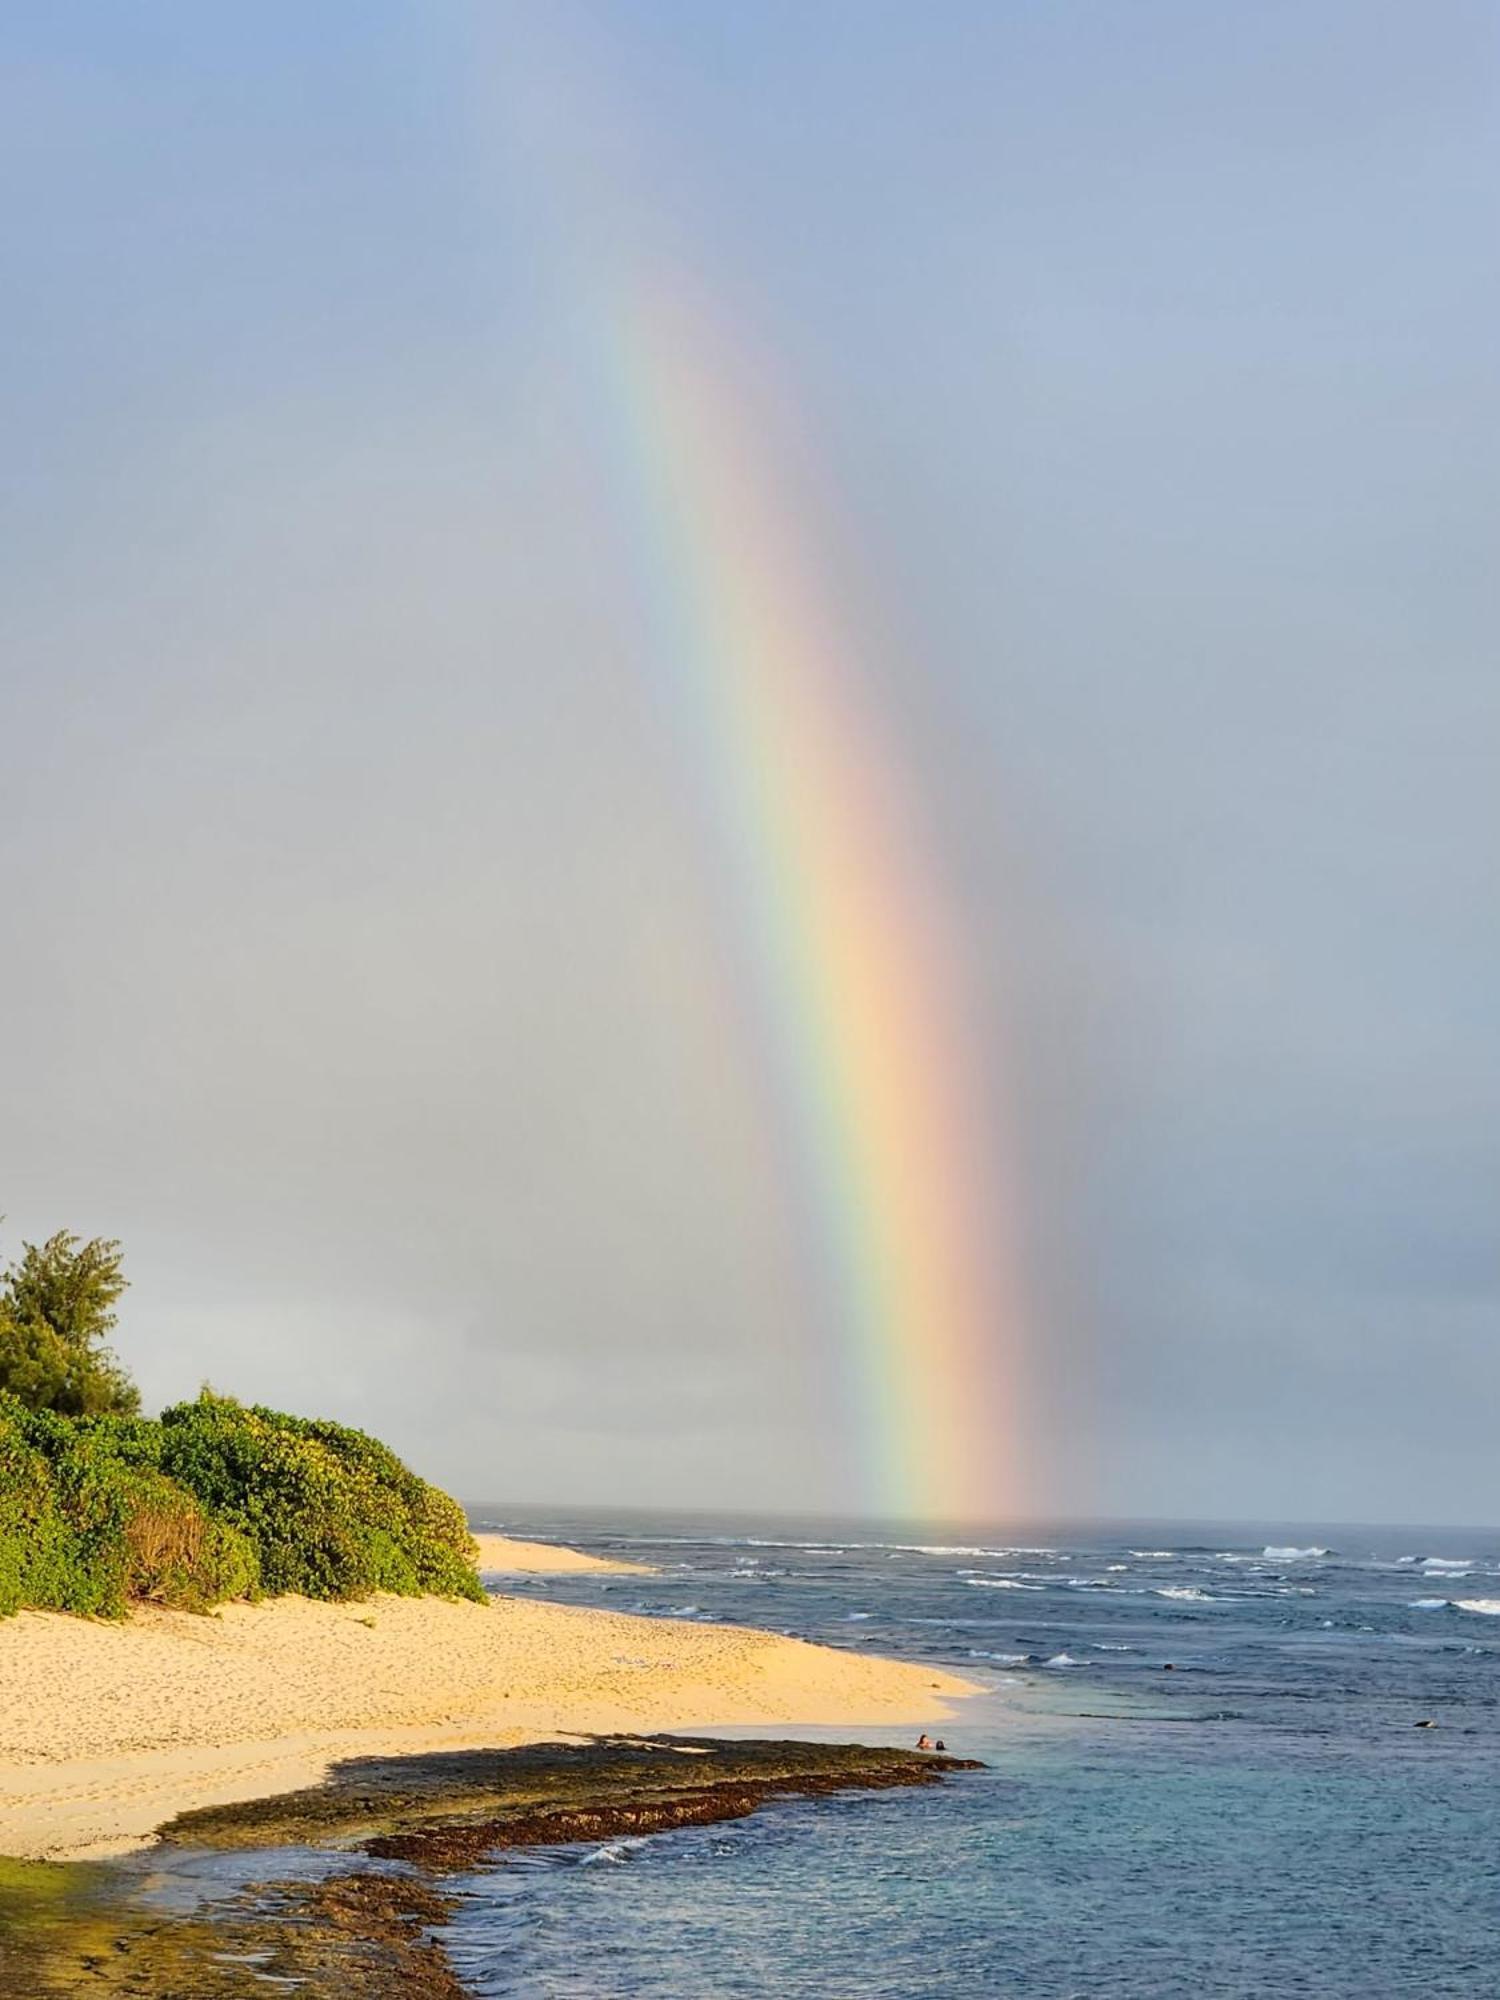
[501,1555]
[108,1730]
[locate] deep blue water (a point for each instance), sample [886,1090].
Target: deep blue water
[1263,1819]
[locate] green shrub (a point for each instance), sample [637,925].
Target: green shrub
[37,1547]
[213,1502]
[329,1511]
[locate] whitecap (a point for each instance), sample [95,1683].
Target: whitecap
[960,1549]
[615,1851]
[1063,1660]
[1153,1552]
[1005,1659]
[1189,1593]
[998,1583]
[1116,1569]
[1487,1607]
[852,1617]
[1428,1604]
[1291,1555]
[1447,1565]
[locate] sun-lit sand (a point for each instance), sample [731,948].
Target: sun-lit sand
[502,1555]
[108,1730]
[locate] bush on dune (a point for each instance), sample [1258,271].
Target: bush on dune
[213,1502]
[329,1511]
[101,1508]
[88,1524]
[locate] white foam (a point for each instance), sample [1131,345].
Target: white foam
[1153,1552]
[1063,1660]
[1291,1555]
[1116,1569]
[960,1549]
[998,1583]
[1428,1604]
[614,1851]
[1005,1659]
[1487,1607]
[853,1617]
[1447,1565]
[1188,1593]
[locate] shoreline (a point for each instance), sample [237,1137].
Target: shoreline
[357,1930]
[109,1731]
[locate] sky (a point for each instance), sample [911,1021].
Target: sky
[369,970]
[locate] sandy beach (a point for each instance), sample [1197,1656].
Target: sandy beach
[503,1555]
[107,1730]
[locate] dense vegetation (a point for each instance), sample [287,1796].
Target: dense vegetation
[100,1507]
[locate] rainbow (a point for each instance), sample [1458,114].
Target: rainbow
[884,1093]
[858,979]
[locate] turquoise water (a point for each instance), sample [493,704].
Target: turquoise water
[1262,1819]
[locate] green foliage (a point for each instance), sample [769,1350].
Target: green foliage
[330,1511]
[57,1305]
[100,1508]
[213,1502]
[37,1547]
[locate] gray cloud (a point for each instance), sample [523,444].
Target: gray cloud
[367,965]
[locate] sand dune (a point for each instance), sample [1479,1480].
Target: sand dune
[108,1730]
[503,1555]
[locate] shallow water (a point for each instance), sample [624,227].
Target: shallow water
[1262,1819]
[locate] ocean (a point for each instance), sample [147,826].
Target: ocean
[1206,1774]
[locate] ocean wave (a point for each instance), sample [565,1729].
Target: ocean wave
[1153,1552]
[1062,1660]
[615,1851]
[1487,1607]
[1292,1555]
[958,1549]
[1428,1604]
[852,1617]
[1188,1593]
[1005,1659]
[999,1583]
[1447,1565]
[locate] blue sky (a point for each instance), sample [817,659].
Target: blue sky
[1144,361]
